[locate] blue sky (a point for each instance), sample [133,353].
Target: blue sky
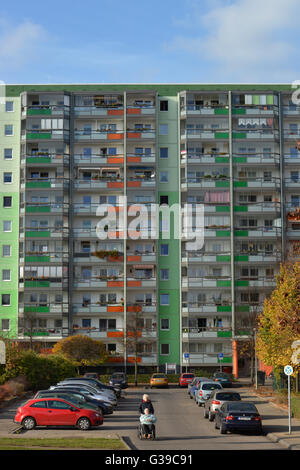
[159,41]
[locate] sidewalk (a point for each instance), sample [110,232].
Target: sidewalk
[275,419]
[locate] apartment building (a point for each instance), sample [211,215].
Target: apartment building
[67,150]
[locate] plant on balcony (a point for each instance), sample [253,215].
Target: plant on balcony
[100,254]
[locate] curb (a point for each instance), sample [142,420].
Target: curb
[281,441]
[127,442]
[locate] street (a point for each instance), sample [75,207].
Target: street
[180,424]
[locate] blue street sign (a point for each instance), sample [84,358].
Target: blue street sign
[186,355]
[221,355]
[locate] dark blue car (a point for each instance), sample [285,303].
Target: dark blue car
[238,416]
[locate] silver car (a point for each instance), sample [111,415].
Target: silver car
[205,390]
[216,400]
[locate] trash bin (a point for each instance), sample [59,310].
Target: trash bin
[261,377]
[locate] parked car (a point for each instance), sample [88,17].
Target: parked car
[194,385]
[91,375]
[98,384]
[99,390]
[118,379]
[159,380]
[56,412]
[223,378]
[216,400]
[101,395]
[238,416]
[185,379]
[107,407]
[66,395]
[204,391]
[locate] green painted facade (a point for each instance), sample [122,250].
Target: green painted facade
[10,263]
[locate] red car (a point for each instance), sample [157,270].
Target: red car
[56,412]
[185,379]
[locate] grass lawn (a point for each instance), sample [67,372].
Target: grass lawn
[8,443]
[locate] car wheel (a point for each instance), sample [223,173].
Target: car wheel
[28,423]
[205,414]
[216,425]
[199,404]
[210,416]
[84,424]
[223,429]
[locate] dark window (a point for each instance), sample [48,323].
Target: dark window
[164,200]
[163,152]
[164,105]
[58,405]
[39,404]
[7,201]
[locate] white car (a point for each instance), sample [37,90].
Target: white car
[98,394]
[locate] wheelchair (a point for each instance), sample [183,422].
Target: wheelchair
[140,433]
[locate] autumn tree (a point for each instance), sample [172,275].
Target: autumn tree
[81,350]
[279,323]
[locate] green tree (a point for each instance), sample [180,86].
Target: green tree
[81,350]
[279,323]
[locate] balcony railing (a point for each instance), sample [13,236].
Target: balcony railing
[45,158]
[53,183]
[114,134]
[43,307]
[45,134]
[50,109]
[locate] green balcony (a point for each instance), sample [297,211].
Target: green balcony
[37,112]
[240,208]
[37,284]
[38,135]
[223,308]
[35,209]
[243,258]
[37,309]
[222,208]
[37,234]
[223,258]
[38,160]
[241,233]
[37,259]
[38,184]
[223,233]
[224,334]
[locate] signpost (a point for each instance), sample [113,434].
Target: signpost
[221,356]
[288,370]
[186,356]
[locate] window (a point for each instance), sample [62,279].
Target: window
[5,324]
[7,201]
[8,129]
[6,225]
[164,200]
[164,299]
[164,324]
[6,250]
[164,105]
[164,250]
[39,404]
[163,152]
[5,300]
[6,275]
[163,177]
[58,405]
[8,154]
[163,129]
[86,322]
[295,176]
[165,349]
[111,347]
[164,274]
[9,106]
[7,177]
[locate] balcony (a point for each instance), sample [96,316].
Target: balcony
[140,110]
[202,110]
[44,232]
[188,157]
[258,232]
[205,282]
[43,183]
[99,183]
[43,258]
[291,110]
[255,110]
[205,134]
[257,158]
[207,332]
[98,135]
[43,208]
[102,257]
[255,134]
[51,308]
[292,183]
[99,160]
[196,257]
[40,333]
[197,359]
[44,134]
[141,134]
[45,110]
[109,110]
[206,307]
[44,158]
[43,283]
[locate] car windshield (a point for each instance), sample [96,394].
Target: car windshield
[228,396]
[118,376]
[242,407]
[158,376]
[221,375]
[188,376]
[210,386]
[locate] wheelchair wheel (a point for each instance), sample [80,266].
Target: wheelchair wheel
[140,432]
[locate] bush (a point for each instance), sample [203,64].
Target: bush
[39,371]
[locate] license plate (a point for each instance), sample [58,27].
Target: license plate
[244,419]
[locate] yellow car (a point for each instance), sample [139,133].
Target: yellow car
[159,380]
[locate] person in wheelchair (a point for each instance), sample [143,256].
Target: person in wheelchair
[147,421]
[146,403]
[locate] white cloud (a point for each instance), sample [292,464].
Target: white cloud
[19,43]
[250,37]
